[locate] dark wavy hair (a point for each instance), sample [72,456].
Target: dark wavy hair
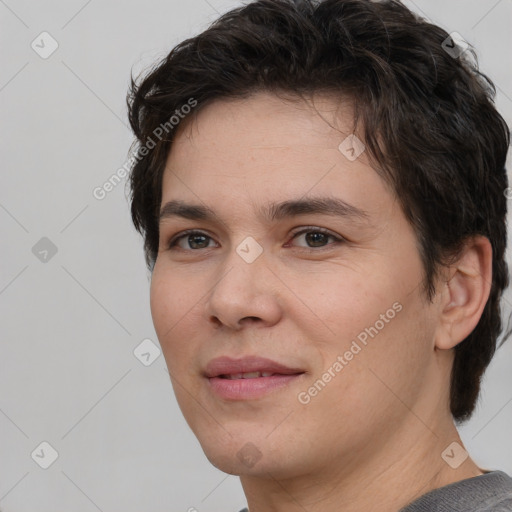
[427,115]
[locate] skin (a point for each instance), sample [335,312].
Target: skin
[373,436]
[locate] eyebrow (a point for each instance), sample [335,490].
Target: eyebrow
[272,211]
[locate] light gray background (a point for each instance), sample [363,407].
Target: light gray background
[69,326]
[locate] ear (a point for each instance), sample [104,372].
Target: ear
[465,293]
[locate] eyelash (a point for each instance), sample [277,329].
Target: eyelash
[309,229]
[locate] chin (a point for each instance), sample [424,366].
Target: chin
[237,456]
[231,463]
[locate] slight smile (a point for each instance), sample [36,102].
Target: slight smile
[249,377]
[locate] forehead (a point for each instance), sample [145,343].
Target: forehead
[269,148]
[267,118]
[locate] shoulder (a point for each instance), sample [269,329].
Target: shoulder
[490,492]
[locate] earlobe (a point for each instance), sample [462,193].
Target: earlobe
[465,293]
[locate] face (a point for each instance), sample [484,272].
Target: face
[328,303]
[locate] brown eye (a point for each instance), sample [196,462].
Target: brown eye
[195,239]
[317,237]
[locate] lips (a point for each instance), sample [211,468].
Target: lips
[248,375]
[248,378]
[247,368]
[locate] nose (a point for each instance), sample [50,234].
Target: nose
[244,294]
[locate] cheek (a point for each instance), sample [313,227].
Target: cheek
[343,302]
[162,300]
[378,323]
[171,304]
[380,383]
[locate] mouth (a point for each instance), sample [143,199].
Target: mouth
[248,378]
[248,375]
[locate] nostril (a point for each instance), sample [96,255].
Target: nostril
[248,320]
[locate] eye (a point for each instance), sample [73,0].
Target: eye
[317,237]
[193,237]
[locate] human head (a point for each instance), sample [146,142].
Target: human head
[427,120]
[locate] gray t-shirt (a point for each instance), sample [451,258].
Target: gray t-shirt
[490,492]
